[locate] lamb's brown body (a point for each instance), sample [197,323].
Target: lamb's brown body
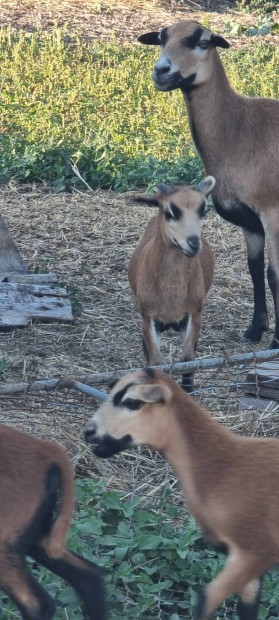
[230,482]
[169,284]
[237,138]
[169,277]
[36,489]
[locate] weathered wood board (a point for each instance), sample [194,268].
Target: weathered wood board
[251,402]
[263,381]
[26,300]
[25,296]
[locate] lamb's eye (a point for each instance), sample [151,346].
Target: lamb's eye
[132,403]
[204,44]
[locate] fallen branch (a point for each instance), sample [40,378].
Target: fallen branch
[107,377]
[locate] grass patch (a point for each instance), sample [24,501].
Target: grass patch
[94,103]
[154,559]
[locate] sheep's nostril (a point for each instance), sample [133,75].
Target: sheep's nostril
[90,433]
[162,67]
[194,242]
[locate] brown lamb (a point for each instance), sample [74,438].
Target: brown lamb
[36,489]
[171,269]
[230,482]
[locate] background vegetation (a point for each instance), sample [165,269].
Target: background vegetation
[154,559]
[64,99]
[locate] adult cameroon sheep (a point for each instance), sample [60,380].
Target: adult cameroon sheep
[237,138]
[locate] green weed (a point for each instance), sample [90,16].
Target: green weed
[64,99]
[154,559]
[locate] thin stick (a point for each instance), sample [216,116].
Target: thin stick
[106,377]
[77,173]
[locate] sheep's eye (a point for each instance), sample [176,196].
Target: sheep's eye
[132,403]
[204,44]
[203,208]
[168,215]
[174,213]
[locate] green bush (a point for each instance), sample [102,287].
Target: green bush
[94,103]
[259,6]
[154,559]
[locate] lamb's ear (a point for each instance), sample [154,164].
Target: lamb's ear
[165,188]
[150,38]
[218,41]
[153,393]
[206,185]
[149,200]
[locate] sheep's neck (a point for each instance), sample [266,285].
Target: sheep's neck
[199,450]
[213,114]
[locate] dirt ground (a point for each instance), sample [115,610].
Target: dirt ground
[87,239]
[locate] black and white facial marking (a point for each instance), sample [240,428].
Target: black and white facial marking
[185,47]
[107,446]
[183,212]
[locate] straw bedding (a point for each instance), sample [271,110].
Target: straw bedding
[87,239]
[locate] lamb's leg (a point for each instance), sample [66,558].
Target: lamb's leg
[16,580]
[241,569]
[151,342]
[190,337]
[84,576]
[249,600]
[255,256]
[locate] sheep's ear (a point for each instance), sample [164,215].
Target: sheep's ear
[218,41]
[165,188]
[153,393]
[206,185]
[149,200]
[150,38]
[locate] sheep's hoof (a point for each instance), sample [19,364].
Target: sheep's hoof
[199,612]
[254,332]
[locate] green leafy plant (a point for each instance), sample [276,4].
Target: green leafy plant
[64,99]
[153,556]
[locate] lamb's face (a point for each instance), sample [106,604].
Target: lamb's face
[182,210]
[183,214]
[186,50]
[134,414]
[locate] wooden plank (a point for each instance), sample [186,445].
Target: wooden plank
[265,392]
[251,402]
[29,278]
[10,257]
[20,303]
[263,380]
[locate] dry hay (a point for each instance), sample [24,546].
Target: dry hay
[123,20]
[87,239]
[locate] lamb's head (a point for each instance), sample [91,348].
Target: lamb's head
[182,210]
[186,55]
[136,412]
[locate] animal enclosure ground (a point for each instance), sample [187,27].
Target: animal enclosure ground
[87,238]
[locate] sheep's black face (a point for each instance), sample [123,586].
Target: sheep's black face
[165,82]
[107,445]
[185,52]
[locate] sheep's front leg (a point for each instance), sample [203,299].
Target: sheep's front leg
[17,581]
[151,342]
[190,337]
[255,256]
[240,571]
